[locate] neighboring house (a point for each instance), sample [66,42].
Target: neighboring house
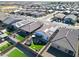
[50,11]
[66,12]
[22,23]
[24,12]
[30,27]
[48,28]
[75,12]
[13,18]
[58,17]
[43,34]
[65,43]
[70,19]
[27,26]
[10,20]
[17,22]
[38,14]
[32,12]
[3,16]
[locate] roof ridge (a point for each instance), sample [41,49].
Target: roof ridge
[67,41]
[63,36]
[70,44]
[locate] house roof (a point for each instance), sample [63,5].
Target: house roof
[25,11]
[22,23]
[38,13]
[73,17]
[3,16]
[67,38]
[31,26]
[13,19]
[60,15]
[48,29]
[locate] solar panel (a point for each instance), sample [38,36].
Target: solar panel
[22,23]
[18,24]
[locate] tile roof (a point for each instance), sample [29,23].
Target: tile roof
[32,26]
[67,38]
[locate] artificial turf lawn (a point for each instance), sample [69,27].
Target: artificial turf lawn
[16,53]
[19,38]
[36,47]
[4,46]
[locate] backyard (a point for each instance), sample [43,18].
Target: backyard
[8,33]
[19,38]
[36,47]
[4,46]
[16,53]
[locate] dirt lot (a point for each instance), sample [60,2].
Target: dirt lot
[7,8]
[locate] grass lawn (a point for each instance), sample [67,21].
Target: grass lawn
[19,38]
[16,53]
[36,47]
[8,33]
[4,46]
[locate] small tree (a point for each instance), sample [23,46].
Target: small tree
[10,28]
[69,21]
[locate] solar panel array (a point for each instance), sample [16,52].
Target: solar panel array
[22,23]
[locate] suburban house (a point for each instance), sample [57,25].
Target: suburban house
[38,14]
[65,43]
[24,12]
[13,18]
[3,16]
[26,26]
[30,27]
[44,33]
[75,13]
[70,19]
[59,17]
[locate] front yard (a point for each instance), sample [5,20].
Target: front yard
[4,46]
[36,47]
[8,33]
[16,53]
[19,38]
